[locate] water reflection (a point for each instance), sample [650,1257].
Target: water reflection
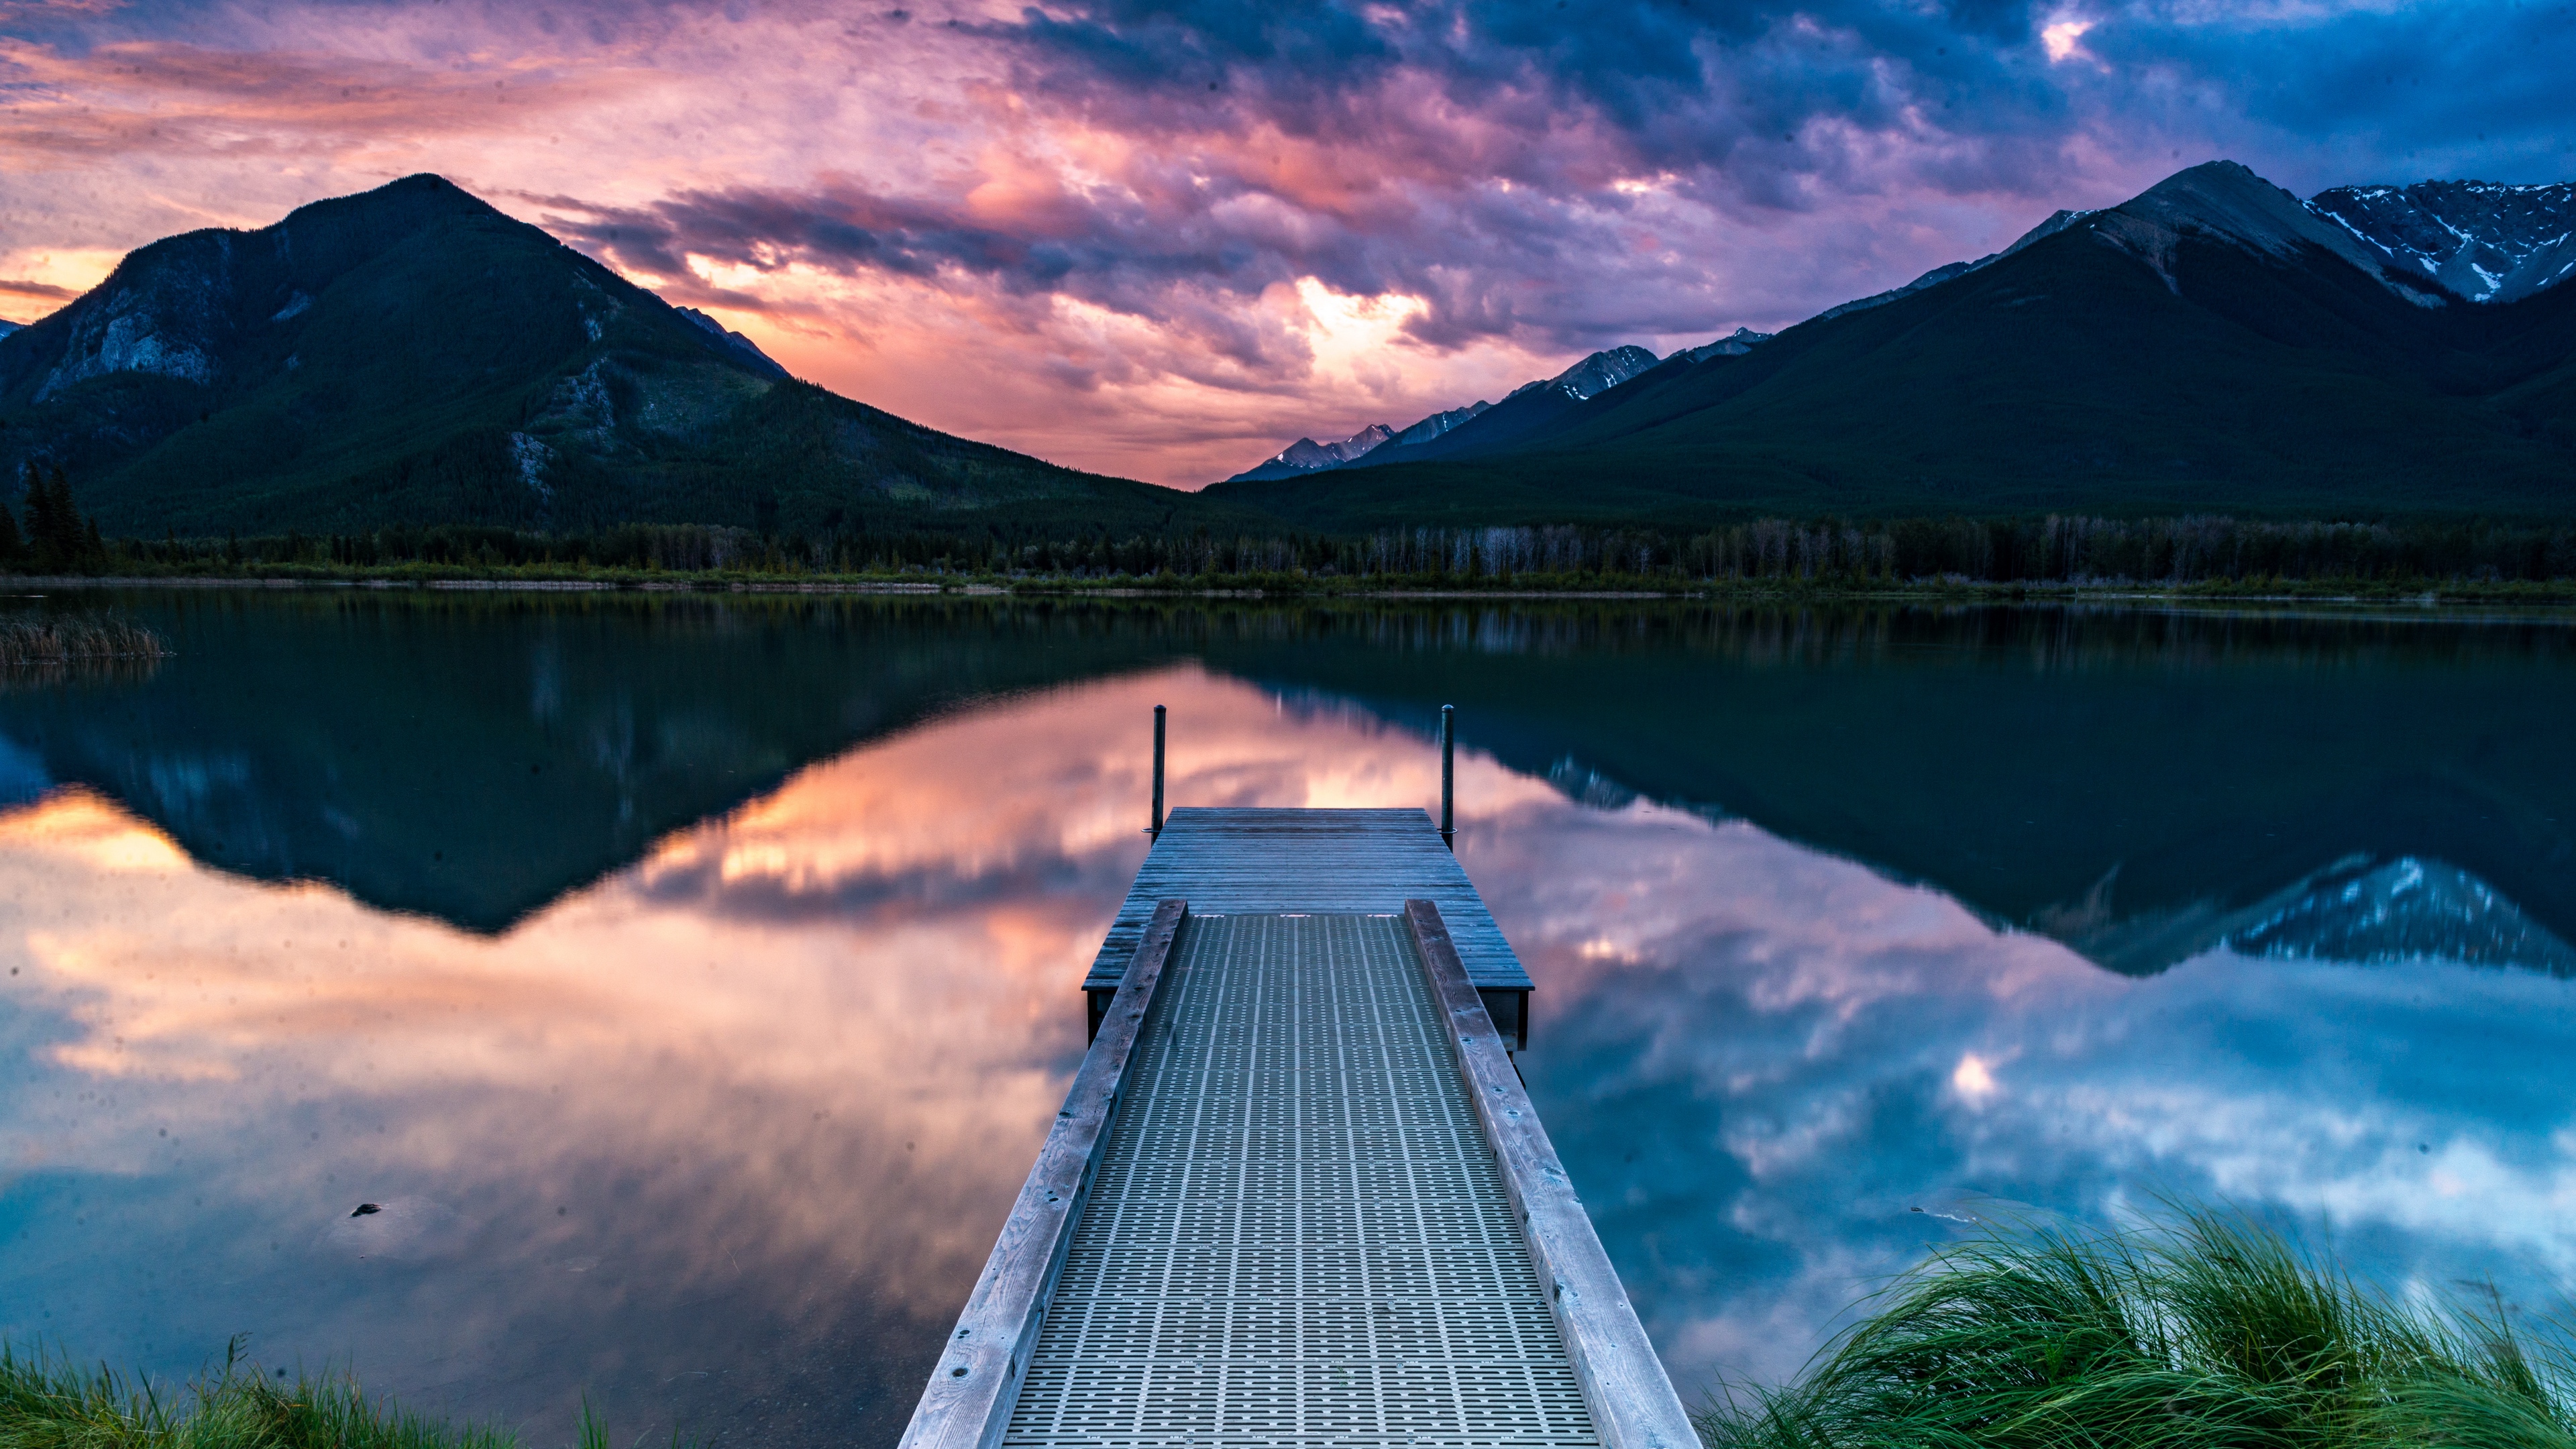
[2133,782]
[1761,1060]
[721,1138]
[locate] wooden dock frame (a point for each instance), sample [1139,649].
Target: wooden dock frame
[1624,1384]
[1223,860]
[1509,1011]
[973,1388]
[968,1402]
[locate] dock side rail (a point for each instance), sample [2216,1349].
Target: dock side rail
[1624,1385]
[968,1403]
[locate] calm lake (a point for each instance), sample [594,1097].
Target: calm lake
[690,980]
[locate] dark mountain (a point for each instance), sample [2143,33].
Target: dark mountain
[1735,344]
[742,349]
[2212,345]
[475,757]
[1438,423]
[413,356]
[1935,277]
[2106,824]
[2485,241]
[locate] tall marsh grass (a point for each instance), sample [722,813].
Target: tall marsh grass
[53,1403]
[76,639]
[2203,1332]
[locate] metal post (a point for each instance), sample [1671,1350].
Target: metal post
[1449,776]
[1157,829]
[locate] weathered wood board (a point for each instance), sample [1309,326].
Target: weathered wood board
[1224,861]
[1624,1384]
[969,1398]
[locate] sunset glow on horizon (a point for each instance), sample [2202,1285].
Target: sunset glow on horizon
[1162,242]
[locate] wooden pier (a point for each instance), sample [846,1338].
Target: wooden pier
[1225,862]
[1297,1195]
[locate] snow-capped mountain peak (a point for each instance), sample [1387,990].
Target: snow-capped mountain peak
[2487,241]
[1439,423]
[1735,344]
[1306,455]
[1601,372]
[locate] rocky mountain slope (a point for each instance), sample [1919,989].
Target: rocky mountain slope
[1593,375]
[2484,241]
[413,356]
[2214,344]
[1524,407]
[1306,455]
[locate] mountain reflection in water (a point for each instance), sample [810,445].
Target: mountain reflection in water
[723,1138]
[2129,780]
[721,1135]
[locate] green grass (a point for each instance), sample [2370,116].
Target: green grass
[2204,1332]
[48,1402]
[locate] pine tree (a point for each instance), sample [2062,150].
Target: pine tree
[40,513]
[56,539]
[13,545]
[67,538]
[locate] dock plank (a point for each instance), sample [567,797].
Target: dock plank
[1227,861]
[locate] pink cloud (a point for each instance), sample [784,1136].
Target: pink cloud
[1101,220]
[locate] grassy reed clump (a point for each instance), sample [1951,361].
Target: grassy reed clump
[50,1403]
[76,639]
[2205,1332]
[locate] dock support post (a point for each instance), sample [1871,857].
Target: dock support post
[1448,777]
[1156,829]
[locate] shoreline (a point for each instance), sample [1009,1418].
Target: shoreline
[2128,593]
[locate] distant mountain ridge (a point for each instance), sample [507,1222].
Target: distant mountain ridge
[1953,270]
[2478,241]
[412,356]
[1379,443]
[1306,455]
[2486,241]
[1735,344]
[2214,344]
[742,349]
[1586,379]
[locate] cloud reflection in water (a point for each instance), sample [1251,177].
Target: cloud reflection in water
[1758,1060]
[722,1140]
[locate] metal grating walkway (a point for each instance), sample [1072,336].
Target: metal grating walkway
[1298,1233]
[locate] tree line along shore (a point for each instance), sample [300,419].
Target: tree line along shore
[2210,553]
[2215,556]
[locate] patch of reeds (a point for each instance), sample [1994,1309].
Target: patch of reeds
[76,639]
[52,1403]
[2202,1332]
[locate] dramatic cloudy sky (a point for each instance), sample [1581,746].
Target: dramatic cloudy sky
[1163,239]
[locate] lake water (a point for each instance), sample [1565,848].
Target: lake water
[690,980]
